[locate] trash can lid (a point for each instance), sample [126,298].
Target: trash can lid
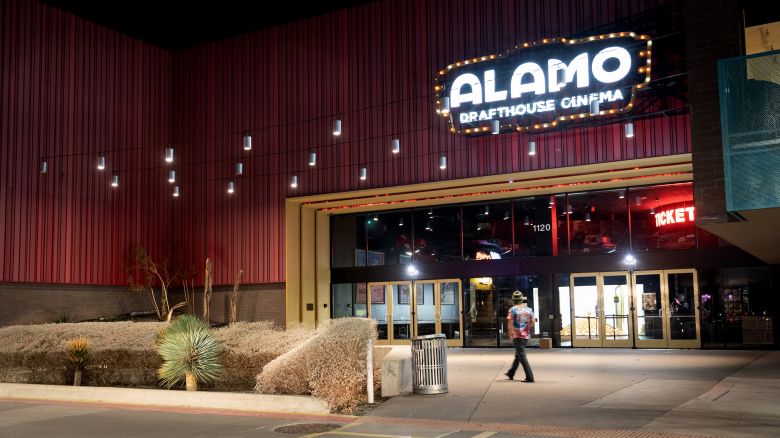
[437,336]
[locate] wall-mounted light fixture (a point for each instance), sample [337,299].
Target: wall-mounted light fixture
[294,181]
[312,158]
[169,155]
[43,167]
[363,173]
[495,127]
[231,187]
[101,163]
[115,180]
[395,145]
[337,127]
[629,129]
[594,107]
[531,148]
[239,168]
[443,162]
[171,176]
[445,105]
[176,191]
[247,142]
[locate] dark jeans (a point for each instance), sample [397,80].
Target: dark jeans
[522,359]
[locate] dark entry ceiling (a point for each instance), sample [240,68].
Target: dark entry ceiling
[177,24]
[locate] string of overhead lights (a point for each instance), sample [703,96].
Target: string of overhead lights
[294,179]
[395,146]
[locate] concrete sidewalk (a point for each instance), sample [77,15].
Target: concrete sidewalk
[718,393]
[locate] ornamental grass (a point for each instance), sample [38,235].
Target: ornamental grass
[190,353]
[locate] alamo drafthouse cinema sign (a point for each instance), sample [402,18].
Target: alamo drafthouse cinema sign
[539,85]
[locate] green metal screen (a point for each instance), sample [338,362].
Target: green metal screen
[750,122]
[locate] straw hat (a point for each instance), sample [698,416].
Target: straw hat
[518,297]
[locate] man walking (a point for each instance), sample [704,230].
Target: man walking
[520,322]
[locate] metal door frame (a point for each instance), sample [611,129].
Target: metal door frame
[389,302]
[599,329]
[667,341]
[437,300]
[601,322]
[684,343]
[615,343]
[651,343]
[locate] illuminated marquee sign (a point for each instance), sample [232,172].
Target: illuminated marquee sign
[670,216]
[536,86]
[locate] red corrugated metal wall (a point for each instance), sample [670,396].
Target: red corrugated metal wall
[72,90]
[373,67]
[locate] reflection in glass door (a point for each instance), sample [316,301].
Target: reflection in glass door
[448,304]
[402,311]
[683,315]
[667,313]
[434,307]
[601,304]
[378,310]
[438,305]
[650,331]
[426,309]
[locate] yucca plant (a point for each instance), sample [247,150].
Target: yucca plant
[190,353]
[77,354]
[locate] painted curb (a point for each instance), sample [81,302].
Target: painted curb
[166,398]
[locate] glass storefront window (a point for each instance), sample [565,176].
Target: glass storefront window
[747,307]
[348,299]
[534,227]
[598,222]
[389,238]
[342,300]
[437,234]
[487,301]
[450,309]
[662,217]
[487,231]
[426,308]
[348,240]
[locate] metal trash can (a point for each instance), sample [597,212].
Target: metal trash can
[429,364]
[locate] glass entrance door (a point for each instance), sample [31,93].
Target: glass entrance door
[403,311]
[667,314]
[586,311]
[600,310]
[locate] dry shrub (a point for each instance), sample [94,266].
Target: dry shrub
[121,353]
[330,366]
[248,346]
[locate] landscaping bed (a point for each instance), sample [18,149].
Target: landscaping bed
[328,362]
